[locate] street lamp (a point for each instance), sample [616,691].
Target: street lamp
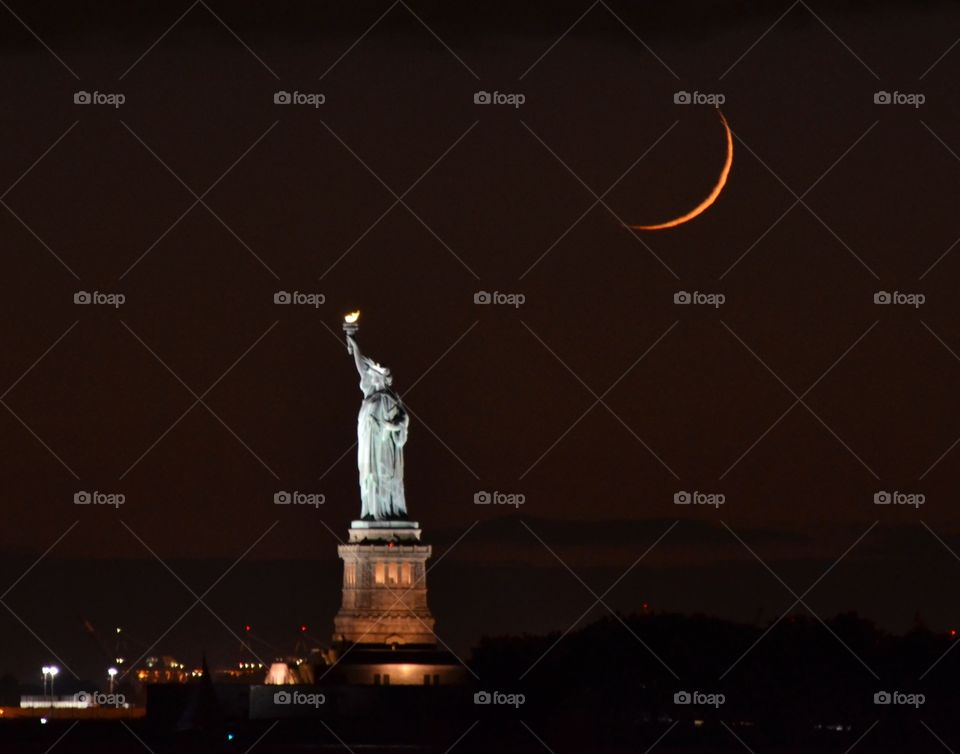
[46,673]
[53,670]
[112,672]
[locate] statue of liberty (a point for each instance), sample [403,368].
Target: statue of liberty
[381,434]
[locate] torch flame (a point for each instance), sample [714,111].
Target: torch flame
[352,317]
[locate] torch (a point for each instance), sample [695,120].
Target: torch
[351,325]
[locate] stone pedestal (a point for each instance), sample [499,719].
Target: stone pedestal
[384,586]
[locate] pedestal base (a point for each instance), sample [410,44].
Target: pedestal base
[384,586]
[384,531]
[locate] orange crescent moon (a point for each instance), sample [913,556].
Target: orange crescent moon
[711,198]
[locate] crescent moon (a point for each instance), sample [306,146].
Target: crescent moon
[711,197]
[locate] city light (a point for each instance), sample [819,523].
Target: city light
[49,673]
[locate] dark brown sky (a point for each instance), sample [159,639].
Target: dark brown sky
[490,407]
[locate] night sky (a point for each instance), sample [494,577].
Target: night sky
[597,399]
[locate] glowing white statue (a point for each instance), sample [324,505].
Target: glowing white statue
[381,434]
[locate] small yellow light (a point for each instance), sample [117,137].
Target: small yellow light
[352,317]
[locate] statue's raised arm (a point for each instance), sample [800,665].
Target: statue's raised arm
[354,349]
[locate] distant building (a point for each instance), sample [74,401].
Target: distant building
[385,666]
[166,669]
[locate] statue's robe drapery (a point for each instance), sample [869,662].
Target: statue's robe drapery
[381,435]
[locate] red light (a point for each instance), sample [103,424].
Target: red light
[303,628]
[247,628]
[953,632]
